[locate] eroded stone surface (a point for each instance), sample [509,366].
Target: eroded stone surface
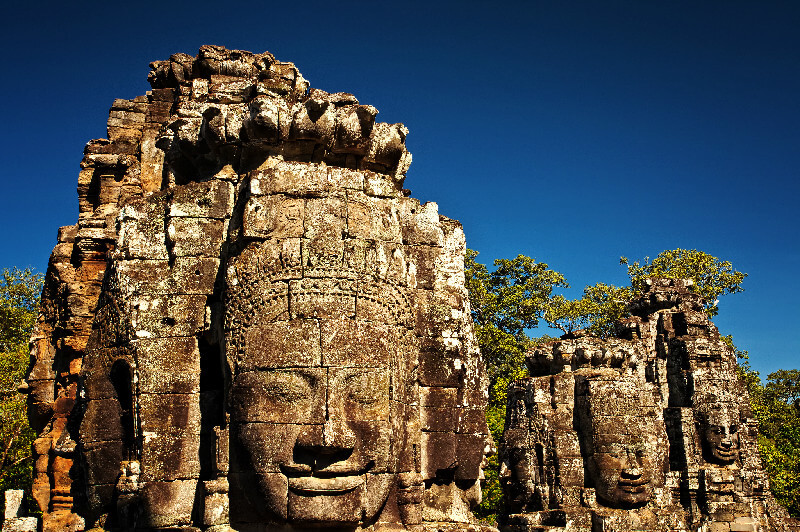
[251,325]
[648,431]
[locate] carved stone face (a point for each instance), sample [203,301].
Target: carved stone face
[318,437]
[517,477]
[622,469]
[721,436]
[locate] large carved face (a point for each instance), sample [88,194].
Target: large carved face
[621,467]
[720,432]
[314,420]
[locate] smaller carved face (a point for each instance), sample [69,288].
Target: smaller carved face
[721,436]
[622,469]
[517,476]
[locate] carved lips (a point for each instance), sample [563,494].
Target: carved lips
[325,486]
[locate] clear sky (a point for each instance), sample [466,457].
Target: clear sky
[571,131]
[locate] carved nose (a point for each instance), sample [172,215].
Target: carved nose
[631,469]
[337,435]
[505,472]
[334,437]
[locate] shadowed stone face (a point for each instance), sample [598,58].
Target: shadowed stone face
[625,444]
[720,432]
[331,431]
[621,468]
[312,406]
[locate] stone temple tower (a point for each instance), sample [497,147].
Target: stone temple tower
[252,326]
[648,431]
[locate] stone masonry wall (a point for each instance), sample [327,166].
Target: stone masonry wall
[252,325]
[647,431]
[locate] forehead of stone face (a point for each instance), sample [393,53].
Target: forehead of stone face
[616,409]
[722,415]
[628,430]
[615,396]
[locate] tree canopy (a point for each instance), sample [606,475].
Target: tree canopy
[776,405]
[19,305]
[520,293]
[712,277]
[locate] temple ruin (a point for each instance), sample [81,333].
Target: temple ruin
[648,431]
[253,327]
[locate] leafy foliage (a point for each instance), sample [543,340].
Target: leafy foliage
[505,302]
[776,405]
[601,306]
[19,305]
[19,301]
[712,277]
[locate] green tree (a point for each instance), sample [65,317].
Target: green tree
[712,277]
[505,302]
[776,406]
[601,306]
[19,303]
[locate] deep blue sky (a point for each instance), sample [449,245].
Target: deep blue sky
[573,132]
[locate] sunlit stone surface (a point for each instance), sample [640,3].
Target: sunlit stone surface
[252,325]
[648,431]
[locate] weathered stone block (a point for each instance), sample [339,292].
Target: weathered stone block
[101,421]
[439,366]
[142,231]
[204,199]
[21,524]
[346,342]
[439,419]
[104,459]
[215,505]
[373,218]
[274,216]
[179,315]
[195,237]
[168,365]
[168,504]
[184,275]
[293,343]
[438,452]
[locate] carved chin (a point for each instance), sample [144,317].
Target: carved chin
[337,501]
[628,495]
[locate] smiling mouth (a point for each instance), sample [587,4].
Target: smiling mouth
[334,479]
[325,486]
[633,486]
[725,453]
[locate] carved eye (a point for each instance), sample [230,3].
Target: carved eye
[615,450]
[734,429]
[287,388]
[367,388]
